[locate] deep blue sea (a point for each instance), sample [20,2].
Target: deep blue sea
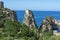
[39,15]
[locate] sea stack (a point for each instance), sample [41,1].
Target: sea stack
[29,19]
[47,24]
[1,5]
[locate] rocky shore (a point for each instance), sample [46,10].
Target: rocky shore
[13,28]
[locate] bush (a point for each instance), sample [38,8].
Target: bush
[11,28]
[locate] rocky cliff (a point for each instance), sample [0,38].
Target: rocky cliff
[29,20]
[7,14]
[48,24]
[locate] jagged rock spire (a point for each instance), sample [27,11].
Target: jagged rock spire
[29,19]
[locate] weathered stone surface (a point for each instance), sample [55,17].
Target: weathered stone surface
[29,20]
[1,5]
[47,24]
[7,14]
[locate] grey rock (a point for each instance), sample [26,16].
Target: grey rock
[7,14]
[29,19]
[47,24]
[1,5]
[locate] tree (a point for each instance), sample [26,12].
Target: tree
[25,33]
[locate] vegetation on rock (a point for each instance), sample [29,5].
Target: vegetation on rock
[11,29]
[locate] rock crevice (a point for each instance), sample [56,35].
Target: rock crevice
[29,19]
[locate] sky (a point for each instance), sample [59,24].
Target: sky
[42,5]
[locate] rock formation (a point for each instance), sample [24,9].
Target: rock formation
[6,14]
[1,5]
[48,24]
[29,19]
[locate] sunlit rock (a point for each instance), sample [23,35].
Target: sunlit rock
[47,24]
[29,20]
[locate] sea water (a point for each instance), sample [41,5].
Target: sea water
[38,15]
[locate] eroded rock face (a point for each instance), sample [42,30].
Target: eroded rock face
[7,14]
[29,19]
[48,24]
[1,5]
